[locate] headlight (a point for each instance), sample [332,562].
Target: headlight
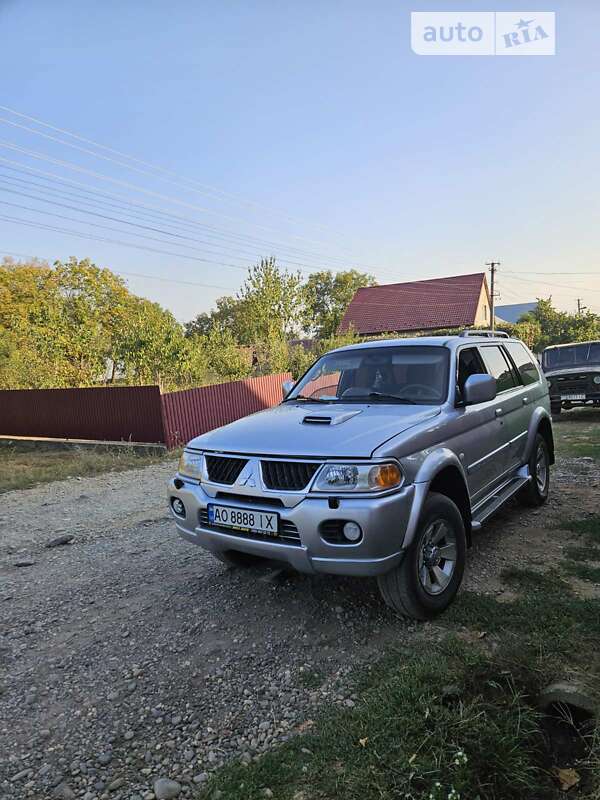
[190,465]
[596,378]
[358,477]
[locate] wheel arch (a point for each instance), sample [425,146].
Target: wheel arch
[540,423]
[441,472]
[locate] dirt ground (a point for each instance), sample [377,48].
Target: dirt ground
[129,655]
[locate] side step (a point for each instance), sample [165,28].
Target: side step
[491,504]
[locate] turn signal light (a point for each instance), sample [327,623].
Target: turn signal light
[386,476]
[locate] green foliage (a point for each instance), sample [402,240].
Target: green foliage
[560,327]
[65,326]
[326,296]
[225,358]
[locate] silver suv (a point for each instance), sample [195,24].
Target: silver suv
[381,461]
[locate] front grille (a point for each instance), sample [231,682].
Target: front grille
[290,475]
[288,532]
[222,469]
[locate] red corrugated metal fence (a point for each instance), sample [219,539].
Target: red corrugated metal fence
[130,413]
[133,413]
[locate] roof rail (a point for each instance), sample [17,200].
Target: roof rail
[488,333]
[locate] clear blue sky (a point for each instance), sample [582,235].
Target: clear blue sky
[317,111]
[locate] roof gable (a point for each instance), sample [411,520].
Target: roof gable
[418,305]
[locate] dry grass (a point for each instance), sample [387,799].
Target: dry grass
[23,469]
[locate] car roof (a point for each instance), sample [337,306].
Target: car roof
[571,344]
[431,341]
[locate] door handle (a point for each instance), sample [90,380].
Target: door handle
[525,401]
[498,412]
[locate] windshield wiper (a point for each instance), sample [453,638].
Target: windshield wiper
[303,397]
[386,396]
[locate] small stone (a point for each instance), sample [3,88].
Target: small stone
[166,789]
[25,773]
[104,759]
[116,784]
[60,540]
[202,777]
[267,792]
[64,792]
[24,562]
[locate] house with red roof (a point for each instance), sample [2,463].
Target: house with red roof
[462,301]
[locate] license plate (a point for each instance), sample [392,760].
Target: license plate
[572,397]
[241,519]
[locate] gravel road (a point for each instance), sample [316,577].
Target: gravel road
[128,656]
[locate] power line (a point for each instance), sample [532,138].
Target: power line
[146,210]
[212,191]
[552,285]
[204,210]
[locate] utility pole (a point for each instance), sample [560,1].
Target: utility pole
[580,307]
[493,266]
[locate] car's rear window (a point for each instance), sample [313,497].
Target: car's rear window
[528,372]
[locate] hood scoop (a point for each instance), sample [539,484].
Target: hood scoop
[330,419]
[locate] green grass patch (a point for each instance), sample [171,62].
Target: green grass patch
[311,678]
[584,571]
[445,720]
[409,737]
[589,527]
[578,553]
[23,469]
[578,436]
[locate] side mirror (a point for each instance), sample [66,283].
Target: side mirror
[479,389]
[286,388]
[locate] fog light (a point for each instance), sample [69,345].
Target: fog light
[178,507]
[596,379]
[352,531]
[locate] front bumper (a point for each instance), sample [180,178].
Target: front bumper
[383,520]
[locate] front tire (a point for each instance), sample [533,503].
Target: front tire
[536,492]
[427,579]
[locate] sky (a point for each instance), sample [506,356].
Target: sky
[309,131]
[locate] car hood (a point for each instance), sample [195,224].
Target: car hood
[583,369]
[337,430]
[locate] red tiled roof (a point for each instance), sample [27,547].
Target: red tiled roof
[415,306]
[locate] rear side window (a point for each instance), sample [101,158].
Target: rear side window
[498,366]
[525,366]
[469,363]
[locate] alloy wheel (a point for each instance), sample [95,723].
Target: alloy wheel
[437,556]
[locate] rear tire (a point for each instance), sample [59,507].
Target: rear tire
[536,492]
[427,579]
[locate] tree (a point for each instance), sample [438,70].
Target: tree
[63,326]
[224,315]
[269,305]
[225,358]
[326,298]
[560,327]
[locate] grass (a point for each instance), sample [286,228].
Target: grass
[23,469]
[589,528]
[577,434]
[449,719]
[407,739]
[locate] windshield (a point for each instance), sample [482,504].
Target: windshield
[403,374]
[575,355]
